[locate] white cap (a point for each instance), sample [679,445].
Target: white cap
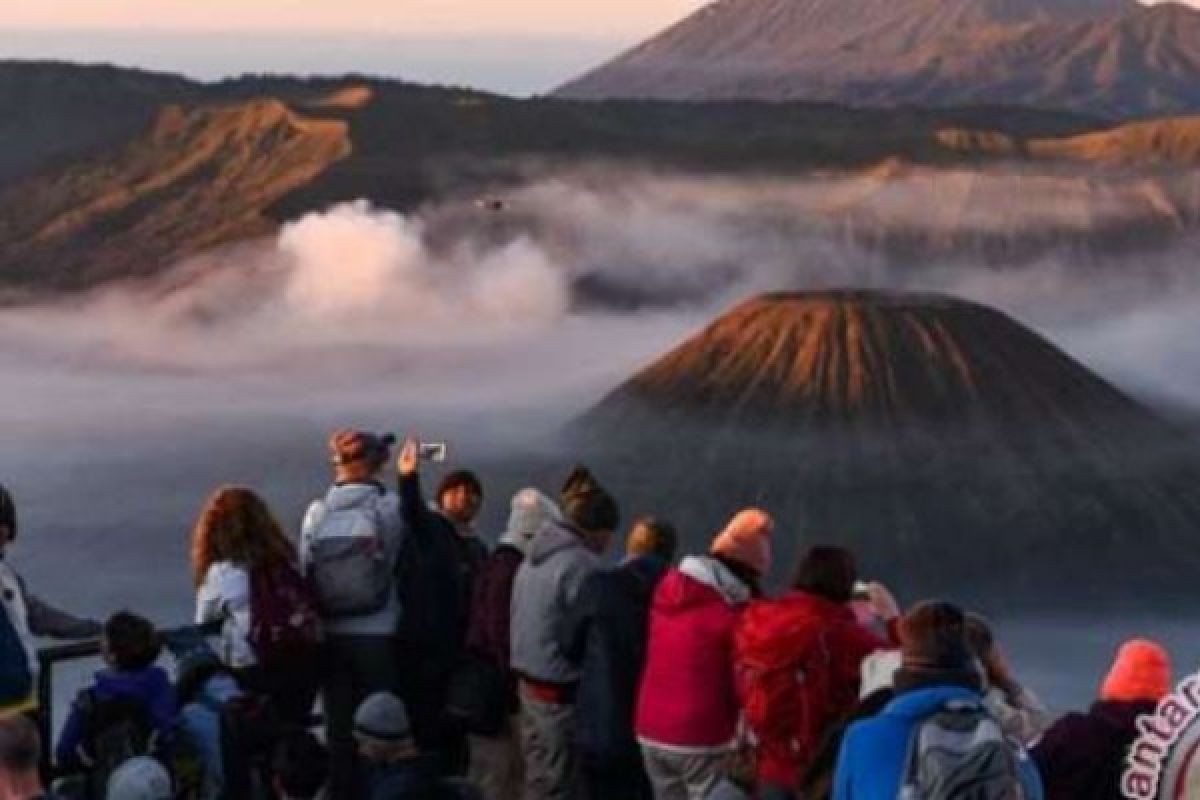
[139,778]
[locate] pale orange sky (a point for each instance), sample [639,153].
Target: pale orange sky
[434,17]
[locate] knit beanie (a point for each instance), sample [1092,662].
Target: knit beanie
[530,510]
[878,671]
[933,637]
[139,778]
[348,446]
[747,540]
[8,512]
[382,716]
[1142,671]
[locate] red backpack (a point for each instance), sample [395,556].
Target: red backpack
[782,664]
[285,622]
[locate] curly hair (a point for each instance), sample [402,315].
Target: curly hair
[237,526]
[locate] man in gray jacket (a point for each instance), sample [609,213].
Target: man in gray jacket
[561,556]
[350,542]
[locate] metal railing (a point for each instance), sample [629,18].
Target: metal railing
[49,657]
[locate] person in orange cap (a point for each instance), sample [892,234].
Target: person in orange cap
[1083,754]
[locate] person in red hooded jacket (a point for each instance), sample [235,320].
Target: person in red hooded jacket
[687,709]
[797,660]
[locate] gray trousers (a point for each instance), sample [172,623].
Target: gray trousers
[548,743]
[684,776]
[496,767]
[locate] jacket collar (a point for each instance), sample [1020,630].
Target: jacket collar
[718,577]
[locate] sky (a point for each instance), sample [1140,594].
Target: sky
[519,47]
[407,17]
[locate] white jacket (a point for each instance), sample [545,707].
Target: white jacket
[225,597]
[12,595]
[354,495]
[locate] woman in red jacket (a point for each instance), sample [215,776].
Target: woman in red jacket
[687,711]
[797,663]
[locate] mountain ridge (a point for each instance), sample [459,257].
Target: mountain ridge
[1117,59]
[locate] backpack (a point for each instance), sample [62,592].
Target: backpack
[348,561]
[960,753]
[779,668]
[115,729]
[16,679]
[285,622]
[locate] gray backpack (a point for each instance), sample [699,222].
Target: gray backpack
[348,564]
[960,753]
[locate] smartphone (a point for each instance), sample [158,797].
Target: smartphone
[432,451]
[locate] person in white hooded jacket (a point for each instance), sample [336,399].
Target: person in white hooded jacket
[29,616]
[496,768]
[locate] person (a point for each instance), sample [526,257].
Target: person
[687,710]
[938,673]
[1083,754]
[437,565]
[876,690]
[299,766]
[140,778]
[459,500]
[495,761]
[131,686]
[797,660]
[395,767]
[27,616]
[20,756]
[350,543]
[605,634]
[562,555]
[1019,711]
[236,542]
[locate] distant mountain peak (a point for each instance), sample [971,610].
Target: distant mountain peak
[1109,57]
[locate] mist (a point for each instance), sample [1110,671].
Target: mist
[491,320]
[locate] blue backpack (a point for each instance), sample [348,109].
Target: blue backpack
[16,679]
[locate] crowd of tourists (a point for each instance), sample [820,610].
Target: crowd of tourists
[389,652]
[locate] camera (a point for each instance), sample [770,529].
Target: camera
[432,451]
[862,590]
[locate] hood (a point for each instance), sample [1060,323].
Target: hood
[149,682]
[699,581]
[353,495]
[530,510]
[553,538]
[923,702]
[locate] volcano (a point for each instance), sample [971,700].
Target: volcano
[1114,58]
[952,448]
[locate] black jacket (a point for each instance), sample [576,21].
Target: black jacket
[605,633]
[433,578]
[1083,755]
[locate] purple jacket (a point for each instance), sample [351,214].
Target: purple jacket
[150,687]
[1081,756]
[488,632]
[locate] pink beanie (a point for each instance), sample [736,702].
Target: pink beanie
[1142,671]
[747,540]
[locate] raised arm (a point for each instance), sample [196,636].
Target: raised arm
[420,521]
